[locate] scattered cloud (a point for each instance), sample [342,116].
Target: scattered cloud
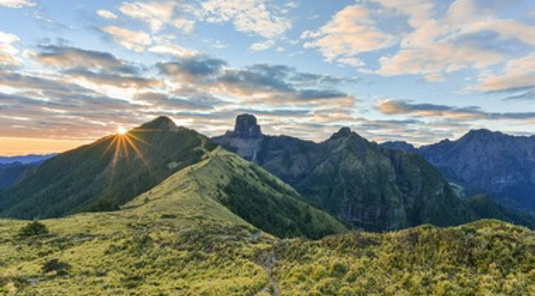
[134,40]
[518,74]
[155,14]
[399,107]
[8,53]
[17,3]
[350,32]
[422,37]
[198,69]
[261,46]
[70,57]
[248,16]
[106,14]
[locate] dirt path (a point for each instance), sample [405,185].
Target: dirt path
[272,287]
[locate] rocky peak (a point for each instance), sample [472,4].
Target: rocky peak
[344,132]
[160,123]
[247,127]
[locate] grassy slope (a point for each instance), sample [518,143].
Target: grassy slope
[248,191]
[125,254]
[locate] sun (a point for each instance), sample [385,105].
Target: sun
[121,130]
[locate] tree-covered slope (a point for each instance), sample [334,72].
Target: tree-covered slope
[486,207]
[107,173]
[353,179]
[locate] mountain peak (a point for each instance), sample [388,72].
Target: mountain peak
[160,123]
[246,127]
[343,132]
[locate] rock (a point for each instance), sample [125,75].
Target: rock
[247,127]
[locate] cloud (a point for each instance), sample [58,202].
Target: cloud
[197,68]
[164,101]
[185,25]
[106,14]
[521,96]
[422,37]
[399,107]
[468,35]
[112,79]
[248,16]
[261,46]
[156,14]
[134,40]
[8,53]
[350,32]
[71,57]
[16,3]
[517,75]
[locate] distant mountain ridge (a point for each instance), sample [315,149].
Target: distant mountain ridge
[25,159]
[355,180]
[483,161]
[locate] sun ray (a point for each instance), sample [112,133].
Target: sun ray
[125,147]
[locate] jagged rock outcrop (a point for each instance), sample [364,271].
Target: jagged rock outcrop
[245,139]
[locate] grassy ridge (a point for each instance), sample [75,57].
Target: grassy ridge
[224,187]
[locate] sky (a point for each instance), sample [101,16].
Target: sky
[420,71]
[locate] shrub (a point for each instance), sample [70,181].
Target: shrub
[34,228]
[55,265]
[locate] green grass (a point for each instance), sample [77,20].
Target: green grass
[112,254]
[225,188]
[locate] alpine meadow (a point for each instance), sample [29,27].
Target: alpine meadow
[267,148]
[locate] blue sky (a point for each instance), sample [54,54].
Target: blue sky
[415,70]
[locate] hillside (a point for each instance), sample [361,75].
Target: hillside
[227,188]
[12,173]
[355,180]
[506,170]
[107,173]
[485,206]
[483,161]
[124,253]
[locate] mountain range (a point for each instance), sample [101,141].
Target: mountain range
[164,210]
[13,168]
[116,169]
[488,162]
[358,182]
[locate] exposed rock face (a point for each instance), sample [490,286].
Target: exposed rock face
[356,180]
[246,127]
[245,139]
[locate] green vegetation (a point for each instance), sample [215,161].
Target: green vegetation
[125,253]
[32,229]
[225,187]
[106,174]
[481,258]
[486,207]
[357,181]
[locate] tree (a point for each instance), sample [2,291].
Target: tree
[33,228]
